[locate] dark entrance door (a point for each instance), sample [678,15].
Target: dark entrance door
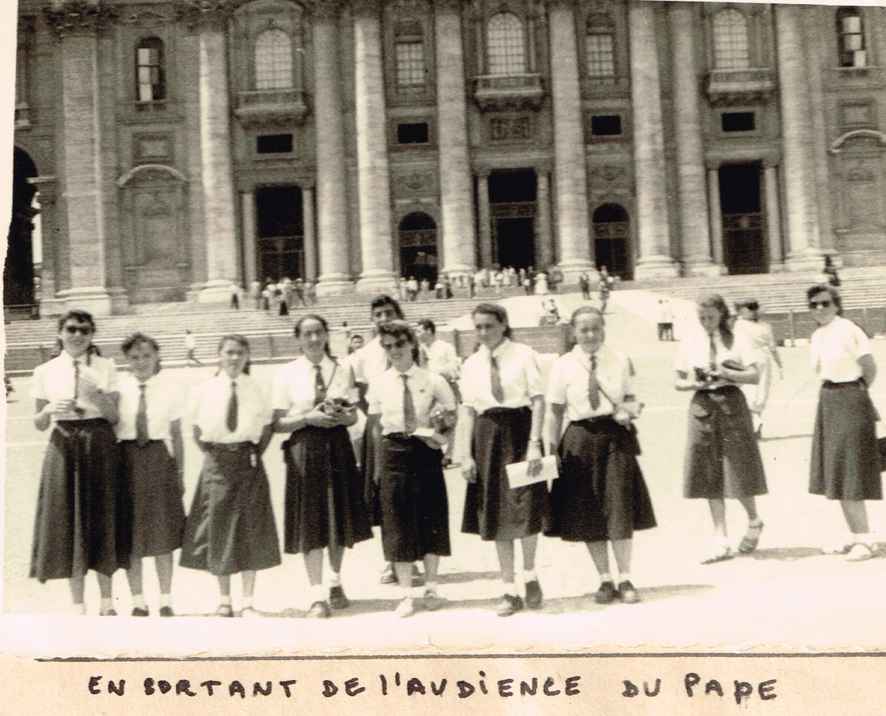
[18,274]
[512,196]
[612,236]
[744,247]
[418,247]
[280,232]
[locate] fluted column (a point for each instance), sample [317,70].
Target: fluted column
[247,219]
[544,240]
[570,170]
[373,176]
[332,197]
[773,217]
[484,219]
[81,176]
[692,206]
[452,130]
[310,239]
[714,214]
[649,161]
[801,218]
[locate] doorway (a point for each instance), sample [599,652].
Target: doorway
[18,274]
[612,240]
[512,208]
[418,247]
[744,246]
[279,232]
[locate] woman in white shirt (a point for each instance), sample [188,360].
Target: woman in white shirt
[412,406]
[149,431]
[600,495]
[845,464]
[759,334]
[83,515]
[722,455]
[314,400]
[502,416]
[230,527]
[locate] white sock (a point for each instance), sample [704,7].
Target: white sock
[334,579]
[247,603]
[138,601]
[529,575]
[605,577]
[509,588]
[107,603]
[318,593]
[165,600]
[406,592]
[79,608]
[864,538]
[624,576]
[225,600]
[431,587]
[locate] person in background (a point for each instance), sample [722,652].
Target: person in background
[83,519]
[355,343]
[584,283]
[845,461]
[830,272]
[665,319]
[447,286]
[235,296]
[152,452]
[191,348]
[439,357]
[759,334]
[412,288]
[255,293]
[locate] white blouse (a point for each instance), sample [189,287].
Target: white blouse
[209,409]
[429,392]
[164,399]
[836,348]
[520,377]
[695,352]
[442,358]
[569,382]
[369,361]
[54,380]
[294,384]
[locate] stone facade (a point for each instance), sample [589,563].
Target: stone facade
[180,146]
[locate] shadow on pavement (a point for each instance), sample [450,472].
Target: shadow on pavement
[462,577]
[787,554]
[777,438]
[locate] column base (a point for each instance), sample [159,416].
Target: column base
[574,268]
[334,284]
[811,260]
[656,267]
[458,270]
[704,268]
[94,299]
[51,307]
[119,300]
[776,267]
[215,291]
[376,282]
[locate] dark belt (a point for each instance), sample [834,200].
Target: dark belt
[721,389]
[230,447]
[135,442]
[504,411]
[84,423]
[398,436]
[595,420]
[842,384]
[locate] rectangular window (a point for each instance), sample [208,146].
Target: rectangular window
[410,64]
[413,133]
[606,125]
[150,85]
[273,144]
[601,55]
[738,121]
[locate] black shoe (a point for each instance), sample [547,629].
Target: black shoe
[417,577]
[166,612]
[387,575]
[318,610]
[337,598]
[140,612]
[108,612]
[606,594]
[627,593]
[508,605]
[224,610]
[533,595]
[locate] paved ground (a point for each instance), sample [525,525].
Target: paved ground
[787,596]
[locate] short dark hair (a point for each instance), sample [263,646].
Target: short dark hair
[385,300]
[428,325]
[586,310]
[242,341]
[76,314]
[493,309]
[830,290]
[296,331]
[138,338]
[400,329]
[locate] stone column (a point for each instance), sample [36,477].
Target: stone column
[247,213]
[373,176]
[570,169]
[81,175]
[716,218]
[773,217]
[332,196]
[801,218]
[692,207]
[310,240]
[457,205]
[544,240]
[484,218]
[50,235]
[649,161]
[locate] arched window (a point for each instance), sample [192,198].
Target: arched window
[273,60]
[505,45]
[409,51]
[150,74]
[731,40]
[850,37]
[600,46]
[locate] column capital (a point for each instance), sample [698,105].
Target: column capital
[543,167]
[712,165]
[79,17]
[205,13]
[451,5]
[325,9]
[483,172]
[561,4]
[366,8]
[47,188]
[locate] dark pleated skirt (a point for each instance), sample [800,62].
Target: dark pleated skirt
[230,527]
[83,509]
[368,463]
[492,509]
[414,505]
[845,463]
[158,514]
[324,504]
[722,454]
[600,494]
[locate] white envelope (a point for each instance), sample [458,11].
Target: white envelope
[518,472]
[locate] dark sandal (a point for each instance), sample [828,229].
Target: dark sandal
[751,538]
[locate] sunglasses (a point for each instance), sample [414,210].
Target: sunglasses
[396,344]
[83,330]
[819,304]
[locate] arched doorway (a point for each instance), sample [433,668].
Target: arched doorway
[418,246]
[612,239]
[18,274]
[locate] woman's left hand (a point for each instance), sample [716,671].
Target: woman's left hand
[533,451]
[88,389]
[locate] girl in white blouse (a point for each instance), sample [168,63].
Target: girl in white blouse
[314,400]
[501,423]
[230,527]
[845,463]
[761,338]
[76,393]
[722,455]
[149,431]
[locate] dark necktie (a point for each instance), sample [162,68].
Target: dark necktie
[495,378]
[713,354]
[409,421]
[76,378]
[319,385]
[141,418]
[231,419]
[593,385]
